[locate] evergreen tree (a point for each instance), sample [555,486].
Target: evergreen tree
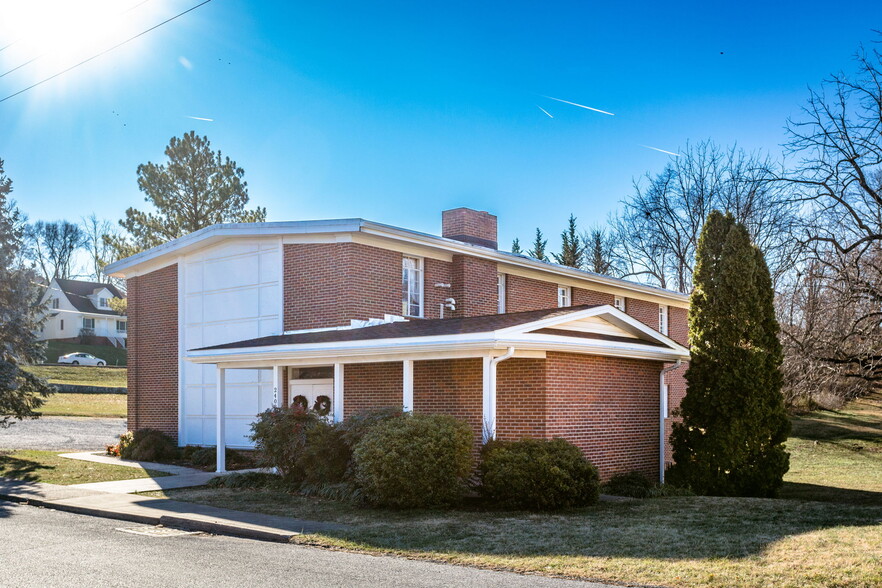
[538,250]
[197,188]
[734,425]
[599,252]
[516,246]
[572,249]
[20,392]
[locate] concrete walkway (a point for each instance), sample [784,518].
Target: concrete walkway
[147,465]
[182,477]
[159,511]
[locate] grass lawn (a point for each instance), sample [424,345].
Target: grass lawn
[81,375]
[112,355]
[88,405]
[47,466]
[827,531]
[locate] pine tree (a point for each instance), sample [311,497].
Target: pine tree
[538,250]
[516,246]
[197,188]
[734,423]
[599,252]
[572,249]
[20,392]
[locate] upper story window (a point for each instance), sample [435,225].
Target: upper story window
[412,286]
[564,296]
[88,323]
[500,293]
[619,302]
[121,326]
[104,302]
[55,303]
[663,319]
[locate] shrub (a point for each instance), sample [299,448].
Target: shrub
[325,458]
[537,474]
[246,480]
[112,450]
[280,436]
[414,461]
[355,427]
[147,445]
[632,484]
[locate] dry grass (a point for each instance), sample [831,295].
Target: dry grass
[48,467]
[87,405]
[81,375]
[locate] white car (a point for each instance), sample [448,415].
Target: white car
[80,358]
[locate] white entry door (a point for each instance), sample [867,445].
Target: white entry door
[317,395]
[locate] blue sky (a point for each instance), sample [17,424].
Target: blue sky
[393,111]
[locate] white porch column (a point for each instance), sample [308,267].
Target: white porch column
[489,396]
[277,386]
[221,419]
[407,369]
[338,392]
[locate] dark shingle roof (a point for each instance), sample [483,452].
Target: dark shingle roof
[78,293]
[410,328]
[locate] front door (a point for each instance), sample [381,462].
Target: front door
[317,395]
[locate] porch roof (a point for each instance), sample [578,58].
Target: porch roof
[591,329]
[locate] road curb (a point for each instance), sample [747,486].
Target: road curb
[224,529]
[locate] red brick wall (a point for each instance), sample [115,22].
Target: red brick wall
[435,272]
[644,311]
[471,226]
[529,294]
[153,351]
[608,407]
[520,399]
[453,387]
[678,330]
[582,296]
[368,386]
[474,286]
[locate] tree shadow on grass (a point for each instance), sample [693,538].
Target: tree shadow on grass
[20,469]
[802,491]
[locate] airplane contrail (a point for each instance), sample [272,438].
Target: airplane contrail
[201,118]
[545,111]
[661,150]
[580,105]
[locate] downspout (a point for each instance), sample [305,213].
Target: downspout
[663,413]
[491,425]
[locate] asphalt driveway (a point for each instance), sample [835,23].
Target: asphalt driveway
[80,433]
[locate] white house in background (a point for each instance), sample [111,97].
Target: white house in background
[77,308]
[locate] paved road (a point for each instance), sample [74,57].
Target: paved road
[46,548]
[78,433]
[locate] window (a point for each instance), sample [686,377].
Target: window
[412,286]
[619,302]
[663,319]
[62,325]
[88,323]
[104,302]
[121,326]
[500,293]
[55,303]
[564,296]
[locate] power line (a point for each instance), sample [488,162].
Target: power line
[108,50]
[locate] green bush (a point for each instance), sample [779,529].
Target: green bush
[414,461]
[280,436]
[632,484]
[206,457]
[537,474]
[147,445]
[325,458]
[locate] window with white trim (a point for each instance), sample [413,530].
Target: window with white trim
[663,319]
[121,326]
[619,302]
[412,286]
[564,296]
[104,302]
[88,323]
[500,293]
[55,303]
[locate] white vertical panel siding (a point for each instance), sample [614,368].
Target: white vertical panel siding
[229,293]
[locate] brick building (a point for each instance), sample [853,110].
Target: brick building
[348,315]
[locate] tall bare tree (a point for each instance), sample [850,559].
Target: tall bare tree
[657,231]
[833,326]
[53,246]
[98,248]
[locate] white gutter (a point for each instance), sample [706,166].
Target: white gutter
[663,414]
[490,394]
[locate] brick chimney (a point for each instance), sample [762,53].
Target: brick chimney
[471,226]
